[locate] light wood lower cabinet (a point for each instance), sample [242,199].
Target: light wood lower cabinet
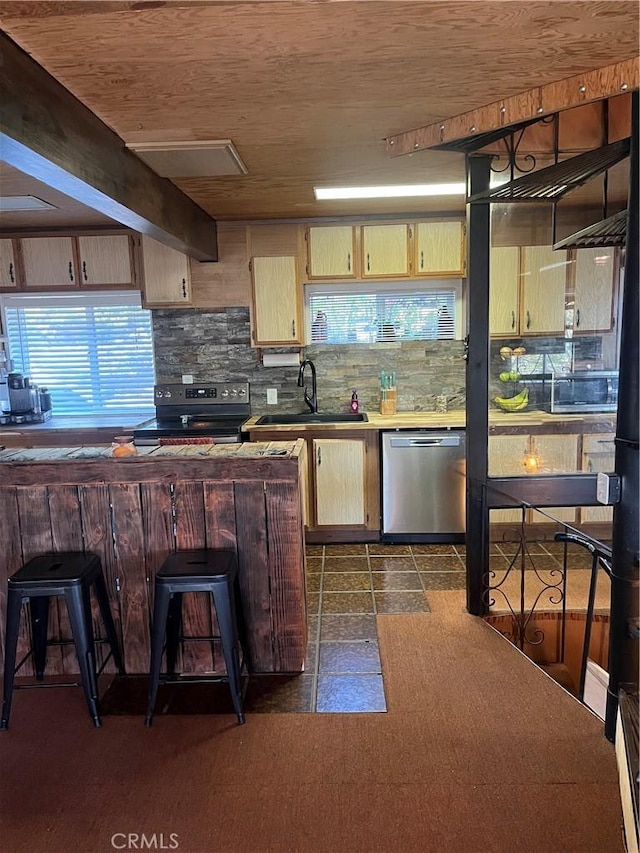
[342,489]
[550,454]
[555,454]
[338,467]
[598,454]
[507,455]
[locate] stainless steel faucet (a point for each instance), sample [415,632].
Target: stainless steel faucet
[311,401]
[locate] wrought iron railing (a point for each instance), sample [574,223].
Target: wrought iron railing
[527,580]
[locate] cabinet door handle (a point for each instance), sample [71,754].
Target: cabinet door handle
[421,259]
[348,261]
[513,319]
[577,316]
[184,288]
[528,320]
[84,271]
[319,457]
[368,264]
[293,328]
[70,271]
[12,277]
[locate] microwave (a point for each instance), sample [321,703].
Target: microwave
[585,391]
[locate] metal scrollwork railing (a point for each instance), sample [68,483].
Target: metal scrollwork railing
[550,588]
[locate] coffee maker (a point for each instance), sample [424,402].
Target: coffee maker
[28,404]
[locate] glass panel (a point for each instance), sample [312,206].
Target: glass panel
[553,338]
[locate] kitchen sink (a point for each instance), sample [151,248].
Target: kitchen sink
[311,418]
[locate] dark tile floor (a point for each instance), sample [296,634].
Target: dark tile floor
[347,585]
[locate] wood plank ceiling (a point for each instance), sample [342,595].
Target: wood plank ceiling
[308,91]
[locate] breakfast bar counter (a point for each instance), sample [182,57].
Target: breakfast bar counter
[133,511]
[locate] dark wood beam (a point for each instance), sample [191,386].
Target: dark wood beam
[49,134]
[535,103]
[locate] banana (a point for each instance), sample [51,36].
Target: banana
[513,404]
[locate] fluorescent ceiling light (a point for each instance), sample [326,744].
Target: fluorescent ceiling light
[399,191]
[24,202]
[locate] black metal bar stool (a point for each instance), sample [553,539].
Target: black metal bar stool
[71,575]
[212,571]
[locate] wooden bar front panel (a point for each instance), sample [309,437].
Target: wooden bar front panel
[133,525]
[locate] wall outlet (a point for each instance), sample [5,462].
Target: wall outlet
[272,396]
[187,379]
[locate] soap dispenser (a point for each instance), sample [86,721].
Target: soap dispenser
[354,402]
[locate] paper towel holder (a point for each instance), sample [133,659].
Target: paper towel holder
[281,359]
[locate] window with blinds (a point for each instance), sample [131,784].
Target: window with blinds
[93,351]
[351,314]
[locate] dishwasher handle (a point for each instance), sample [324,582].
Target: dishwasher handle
[430,441]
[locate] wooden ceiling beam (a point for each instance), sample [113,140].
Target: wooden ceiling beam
[49,134]
[535,103]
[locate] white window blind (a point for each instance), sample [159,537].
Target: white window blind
[94,351]
[366,314]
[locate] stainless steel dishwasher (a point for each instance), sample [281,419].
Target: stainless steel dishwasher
[423,485]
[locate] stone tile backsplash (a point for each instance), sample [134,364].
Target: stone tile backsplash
[214,345]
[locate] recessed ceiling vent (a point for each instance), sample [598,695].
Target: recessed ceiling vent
[207,158]
[24,202]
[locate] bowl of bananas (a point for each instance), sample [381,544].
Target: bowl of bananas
[513,404]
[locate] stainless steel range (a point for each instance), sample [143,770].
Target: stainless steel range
[213,410]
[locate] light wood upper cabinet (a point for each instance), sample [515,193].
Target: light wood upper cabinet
[105,260]
[385,251]
[276,302]
[8,274]
[165,274]
[331,252]
[504,293]
[593,306]
[49,262]
[440,248]
[544,274]
[339,468]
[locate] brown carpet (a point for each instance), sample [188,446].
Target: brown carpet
[479,752]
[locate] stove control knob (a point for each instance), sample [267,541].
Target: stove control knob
[167,393]
[225,393]
[241,392]
[234,393]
